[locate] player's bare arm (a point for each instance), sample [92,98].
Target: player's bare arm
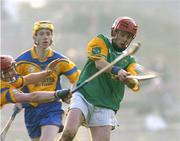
[120,73]
[36,77]
[41,96]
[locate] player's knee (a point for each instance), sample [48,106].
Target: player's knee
[68,134]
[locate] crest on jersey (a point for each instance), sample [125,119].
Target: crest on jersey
[96,50]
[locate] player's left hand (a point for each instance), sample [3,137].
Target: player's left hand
[122,74]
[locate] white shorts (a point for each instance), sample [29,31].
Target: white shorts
[94,116]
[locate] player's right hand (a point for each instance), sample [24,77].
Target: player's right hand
[122,74]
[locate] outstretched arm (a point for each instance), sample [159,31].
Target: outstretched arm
[41,96]
[120,73]
[33,78]
[34,97]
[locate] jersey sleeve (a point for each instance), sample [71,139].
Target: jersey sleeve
[7,95]
[132,66]
[132,69]
[135,69]
[69,69]
[96,49]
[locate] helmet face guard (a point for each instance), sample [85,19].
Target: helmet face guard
[9,75]
[8,72]
[124,24]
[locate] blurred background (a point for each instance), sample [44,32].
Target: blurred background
[153,114]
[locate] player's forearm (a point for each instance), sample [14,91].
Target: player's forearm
[42,96]
[101,64]
[36,77]
[35,97]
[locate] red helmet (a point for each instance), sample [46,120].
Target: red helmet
[125,24]
[6,62]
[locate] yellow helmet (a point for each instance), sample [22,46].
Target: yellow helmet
[42,24]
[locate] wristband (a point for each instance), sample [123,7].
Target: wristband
[115,70]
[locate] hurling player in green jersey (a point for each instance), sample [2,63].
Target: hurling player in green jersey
[96,103]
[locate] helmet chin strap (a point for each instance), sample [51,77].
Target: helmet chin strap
[9,78]
[36,42]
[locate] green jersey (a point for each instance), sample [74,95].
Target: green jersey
[105,90]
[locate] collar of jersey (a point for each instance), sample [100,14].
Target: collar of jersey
[34,54]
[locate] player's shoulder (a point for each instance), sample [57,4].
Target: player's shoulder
[62,58]
[98,38]
[57,55]
[100,41]
[101,36]
[24,55]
